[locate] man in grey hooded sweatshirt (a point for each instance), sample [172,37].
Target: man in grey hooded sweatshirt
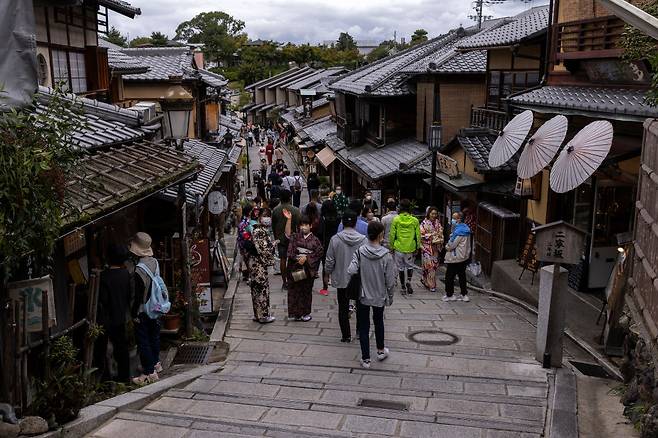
[340,252]
[375,265]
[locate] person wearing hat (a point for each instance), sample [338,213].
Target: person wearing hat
[147,330]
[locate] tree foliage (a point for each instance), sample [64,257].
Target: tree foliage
[382,51]
[115,37]
[158,39]
[640,47]
[36,154]
[419,36]
[345,42]
[220,33]
[141,41]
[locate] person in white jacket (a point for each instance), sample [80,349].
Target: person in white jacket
[458,251]
[375,265]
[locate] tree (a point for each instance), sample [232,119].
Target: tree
[382,51]
[345,42]
[419,36]
[115,37]
[158,39]
[141,41]
[220,33]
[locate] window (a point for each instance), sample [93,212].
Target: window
[69,69]
[502,84]
[42,69]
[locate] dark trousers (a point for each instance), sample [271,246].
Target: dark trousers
[452,270]
[296,198]
[116,334]
[344,314]
[363,320]
[147,334]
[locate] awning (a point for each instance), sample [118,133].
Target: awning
[326,156]
[266,107]
[463,184]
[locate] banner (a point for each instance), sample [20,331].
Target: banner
[31,291]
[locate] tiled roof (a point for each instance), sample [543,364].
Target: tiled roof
[121,7]
[271,79]
[212,159]
[437,57]
[164,63]
[107,181]
[315,78]
[335,143]
[212,79]
[385,77]
[317,103]
[525,25]
[477,144]
[467,62]
[613,103]
[232,123]
[377,163]
[284,82]
[120,62]
[318,131]
[99,124]
[288,116]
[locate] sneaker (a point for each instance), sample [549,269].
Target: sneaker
[465,298]
[352,309]
[324,292]
[347,339]
[447,298]
[410,290]
[381,355]
[365,363]
[153,377]
[158,367]
[140,381]
[267,319]
[304,318]
[403,290]
[433,290]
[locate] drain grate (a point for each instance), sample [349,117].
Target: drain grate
[591,369]
[193,354]
[383,404]
[432,337]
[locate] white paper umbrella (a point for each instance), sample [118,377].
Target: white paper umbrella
[510,139]
[542,147]
[581,156]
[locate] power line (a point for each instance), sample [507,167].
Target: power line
[478,7]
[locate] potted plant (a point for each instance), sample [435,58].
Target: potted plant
[172,320]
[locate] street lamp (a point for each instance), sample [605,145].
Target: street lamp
[434,139]
[177,105]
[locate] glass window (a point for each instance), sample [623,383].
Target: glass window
[78,72]
[533,79]
[60,69]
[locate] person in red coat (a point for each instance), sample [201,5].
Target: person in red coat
[269,151]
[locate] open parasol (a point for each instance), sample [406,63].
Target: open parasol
[542,147]
[510,139]
[581,156]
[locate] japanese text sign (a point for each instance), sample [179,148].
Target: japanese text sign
[559,242]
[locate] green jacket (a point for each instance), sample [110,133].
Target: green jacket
[405,234]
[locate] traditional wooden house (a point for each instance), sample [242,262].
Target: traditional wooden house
[588,80]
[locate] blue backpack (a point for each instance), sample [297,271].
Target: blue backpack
[158,303]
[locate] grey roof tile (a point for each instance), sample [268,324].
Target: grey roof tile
[317,103]
[378,163]
[286,81]
[613,103]
[163,62]
[467,62]
[477,144]
[315,78]
[121,62]
[525,25]
[121,7]
[318,131]
[212,79]
[276,77]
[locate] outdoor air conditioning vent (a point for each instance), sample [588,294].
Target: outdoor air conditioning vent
[146,109]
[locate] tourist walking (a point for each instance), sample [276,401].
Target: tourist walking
[296,185]
[387,220]
[458,251]
[278,153]
[370,203]
[405,241]
[147,329]
[114,296]
[341,201]
[329,225]
[369,215]
[312,182]
[340,253]
[279,229]
[361,222]
[374,265]
[431,234]
[269,152]
[304,254]
[260,258]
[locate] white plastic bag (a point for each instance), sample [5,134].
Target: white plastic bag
[474,268]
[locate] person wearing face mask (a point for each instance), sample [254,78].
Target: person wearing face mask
[375,265]
[261,258]
[341,201]
[458,251]
[370,203]
[369,215]
[431,234]
[304,255]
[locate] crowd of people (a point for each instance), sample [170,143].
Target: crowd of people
[363,254]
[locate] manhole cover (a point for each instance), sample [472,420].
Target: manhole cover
[193,354]
[591,369]
[432,337]
[383,404]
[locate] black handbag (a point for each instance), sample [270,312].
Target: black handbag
[354,285]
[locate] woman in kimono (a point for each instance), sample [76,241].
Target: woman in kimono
[304,255]
[431,235]
[261,258]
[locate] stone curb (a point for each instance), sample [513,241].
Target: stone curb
[219,329]
[563,418]
[93,416]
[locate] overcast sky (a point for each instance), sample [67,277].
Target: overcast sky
[313,21]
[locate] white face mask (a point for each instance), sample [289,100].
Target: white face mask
[339,191]
[267,221]
[368,198]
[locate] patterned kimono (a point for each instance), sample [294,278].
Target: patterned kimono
[431,235]
[259,282]
[300,293]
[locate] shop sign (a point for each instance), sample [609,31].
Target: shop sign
[447,165]
[559,242]
[31,293]
[200,261]
[204,295]
[529,188]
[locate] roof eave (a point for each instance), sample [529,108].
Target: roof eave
[125,10]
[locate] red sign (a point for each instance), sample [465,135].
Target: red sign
[200,261]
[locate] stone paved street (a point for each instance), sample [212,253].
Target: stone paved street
[296,379]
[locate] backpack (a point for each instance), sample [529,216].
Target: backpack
[298,185]
[158,303]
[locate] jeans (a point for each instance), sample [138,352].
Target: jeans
[344,313]
[296,198]
[363,319]
[452,270]
[147,334]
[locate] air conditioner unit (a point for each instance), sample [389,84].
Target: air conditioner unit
[146,109]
